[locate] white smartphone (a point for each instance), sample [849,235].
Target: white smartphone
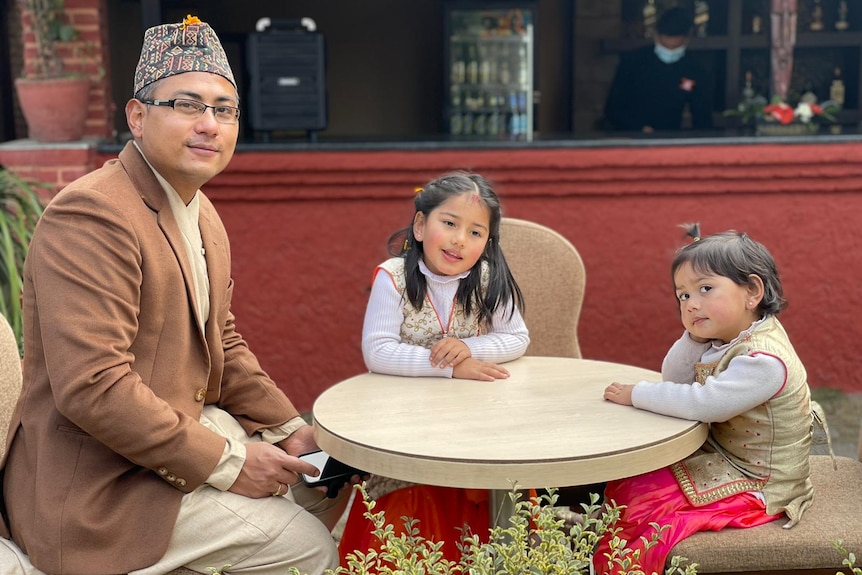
[331,470]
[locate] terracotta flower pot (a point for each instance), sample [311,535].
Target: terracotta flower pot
[55,108]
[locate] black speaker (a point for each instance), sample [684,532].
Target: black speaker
[287,81]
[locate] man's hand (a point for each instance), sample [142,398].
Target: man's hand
[472,368]
[300,441]
[268,470]
[449,352]
[619,393]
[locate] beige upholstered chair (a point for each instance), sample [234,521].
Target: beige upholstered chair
[10,379]
[836,513]
[551,275]
[10,388]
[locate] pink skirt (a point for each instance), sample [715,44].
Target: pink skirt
[656,497]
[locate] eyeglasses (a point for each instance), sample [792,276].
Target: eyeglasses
[195,109]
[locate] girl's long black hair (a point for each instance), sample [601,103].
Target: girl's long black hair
[502,287]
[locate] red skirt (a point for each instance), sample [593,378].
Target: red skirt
[657,497]
[441,512]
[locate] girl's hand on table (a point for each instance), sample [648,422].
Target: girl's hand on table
[619,393]
[449,352]
[472,368]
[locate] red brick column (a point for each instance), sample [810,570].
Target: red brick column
[89,55]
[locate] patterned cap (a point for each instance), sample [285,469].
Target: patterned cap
[177,48]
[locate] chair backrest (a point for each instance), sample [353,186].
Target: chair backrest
[552,277]
[10,378]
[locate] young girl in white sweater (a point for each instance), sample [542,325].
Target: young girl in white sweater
[735,368]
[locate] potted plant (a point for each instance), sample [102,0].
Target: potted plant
[53,101]
[20,209]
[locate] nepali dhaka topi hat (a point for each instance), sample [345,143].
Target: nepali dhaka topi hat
[170,49]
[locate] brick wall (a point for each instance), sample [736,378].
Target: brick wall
[307,228]
[52,164]
[89,55]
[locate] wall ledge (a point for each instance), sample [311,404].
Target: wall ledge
[803,168]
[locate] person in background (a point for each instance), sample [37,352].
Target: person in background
[445,306]
[147,436]
[735,368]
[654,85]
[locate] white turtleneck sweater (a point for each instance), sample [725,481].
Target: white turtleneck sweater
[384,351]
[748,381]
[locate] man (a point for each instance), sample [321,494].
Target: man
[654,84]
[147,436]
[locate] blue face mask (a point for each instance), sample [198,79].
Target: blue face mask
[667,55]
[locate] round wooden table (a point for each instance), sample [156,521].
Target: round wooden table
[545,426]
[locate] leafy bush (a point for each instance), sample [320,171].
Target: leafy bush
[536,542]
[21,209]
[849,558]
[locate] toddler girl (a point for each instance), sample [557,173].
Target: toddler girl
[735,368]
[445,306]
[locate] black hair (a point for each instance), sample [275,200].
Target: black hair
[502,287]
[676,21]
[146,92]
[736,256]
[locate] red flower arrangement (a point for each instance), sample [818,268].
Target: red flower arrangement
[785,114]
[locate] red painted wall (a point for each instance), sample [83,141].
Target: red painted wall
[307,229]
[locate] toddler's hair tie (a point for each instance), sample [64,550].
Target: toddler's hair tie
[417,190]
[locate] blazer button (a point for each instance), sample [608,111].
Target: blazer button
[162,471]
[181,482]
[200,394]
[171,477]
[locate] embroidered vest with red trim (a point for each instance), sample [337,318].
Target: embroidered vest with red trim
[422,326]
[766,448]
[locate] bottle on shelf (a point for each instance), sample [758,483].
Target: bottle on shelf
[523,65]
[494,63]
[701,18]
[493,127]
[756,24]
[522,117]
[649,16]
[472,65]
[514,114]
[459,66]
[484,65]
[505,64]
[841,22]
[748,88]
[455,124]
[836,90]
[467,124]
[816,17]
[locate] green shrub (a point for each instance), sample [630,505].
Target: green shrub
[849,558]
[536,542]
[21,209]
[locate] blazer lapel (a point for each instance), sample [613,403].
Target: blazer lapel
[154,195]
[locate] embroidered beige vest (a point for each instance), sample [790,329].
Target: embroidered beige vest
[422,327]
[764,449]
